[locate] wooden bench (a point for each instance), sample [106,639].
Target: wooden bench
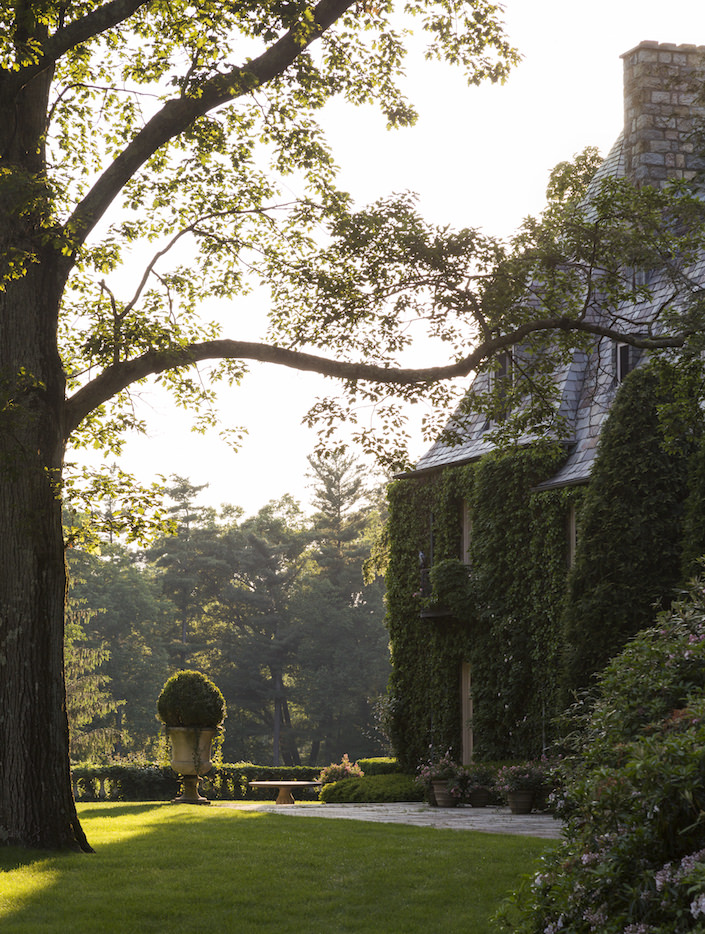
[284,796]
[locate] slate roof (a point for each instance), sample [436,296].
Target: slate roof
[587,385]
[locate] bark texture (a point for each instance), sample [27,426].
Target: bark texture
[36,805]
[36,801]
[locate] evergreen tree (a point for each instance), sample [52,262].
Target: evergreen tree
[343,655]
[126,614]
[191,565]
[89,699]
[259,633]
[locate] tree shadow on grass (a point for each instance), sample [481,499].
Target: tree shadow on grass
[159,868]
[90,810]
[13,857]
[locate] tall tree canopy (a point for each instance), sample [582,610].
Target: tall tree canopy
[181,119]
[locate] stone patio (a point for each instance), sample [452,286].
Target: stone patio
[484,820]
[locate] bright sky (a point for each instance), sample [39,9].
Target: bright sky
[478,157]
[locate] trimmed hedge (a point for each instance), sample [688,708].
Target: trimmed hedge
[382,765]
[151,782]
[373,789]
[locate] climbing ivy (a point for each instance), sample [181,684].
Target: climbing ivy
[533,631]
[519,556]
[629,558]
[504,623]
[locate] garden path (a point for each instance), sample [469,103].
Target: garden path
[485,820]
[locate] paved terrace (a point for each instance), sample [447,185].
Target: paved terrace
[484,820]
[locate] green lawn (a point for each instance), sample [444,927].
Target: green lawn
[182,870]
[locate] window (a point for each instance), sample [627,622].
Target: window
[500,385]
[641,282]
[622,361]
[626,358]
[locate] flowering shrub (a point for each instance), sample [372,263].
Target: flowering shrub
[443,769]
[633,857]
[527,776]
[336,772]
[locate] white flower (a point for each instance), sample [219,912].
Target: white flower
[697,906]
[554,926]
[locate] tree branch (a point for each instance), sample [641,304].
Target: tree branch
[121,375]
[178,115]
[81,30]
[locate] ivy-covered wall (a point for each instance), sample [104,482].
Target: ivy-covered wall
[504,622]
[531,631]
[629,559]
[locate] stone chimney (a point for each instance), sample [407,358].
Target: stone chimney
[664,112]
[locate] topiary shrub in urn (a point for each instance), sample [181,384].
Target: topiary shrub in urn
[192,709]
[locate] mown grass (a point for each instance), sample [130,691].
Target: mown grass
[181,870]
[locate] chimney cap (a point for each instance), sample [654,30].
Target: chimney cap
[664,47]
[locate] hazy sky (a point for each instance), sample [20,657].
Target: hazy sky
[478,157]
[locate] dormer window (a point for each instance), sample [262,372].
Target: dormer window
[641,279]
[505,368]
[622,361]
[626,358]
[501,380]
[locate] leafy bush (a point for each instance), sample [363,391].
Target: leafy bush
[381,765]
[373,789]
[633,859]
[189,698]
[337,771]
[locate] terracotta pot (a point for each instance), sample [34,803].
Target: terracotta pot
[444,799]
[191,758]
[520,802]
[479,798]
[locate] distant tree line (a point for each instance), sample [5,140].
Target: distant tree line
[273,607]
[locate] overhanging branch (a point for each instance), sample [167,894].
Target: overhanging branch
[118,377]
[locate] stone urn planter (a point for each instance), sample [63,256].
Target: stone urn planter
[192,709]
[520,802]
[191,758]
[444,799]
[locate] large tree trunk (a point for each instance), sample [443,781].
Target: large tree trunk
[36,801]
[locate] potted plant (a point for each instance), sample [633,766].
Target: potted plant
[443,780]
[478,784]
[192,710]
[519,784]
